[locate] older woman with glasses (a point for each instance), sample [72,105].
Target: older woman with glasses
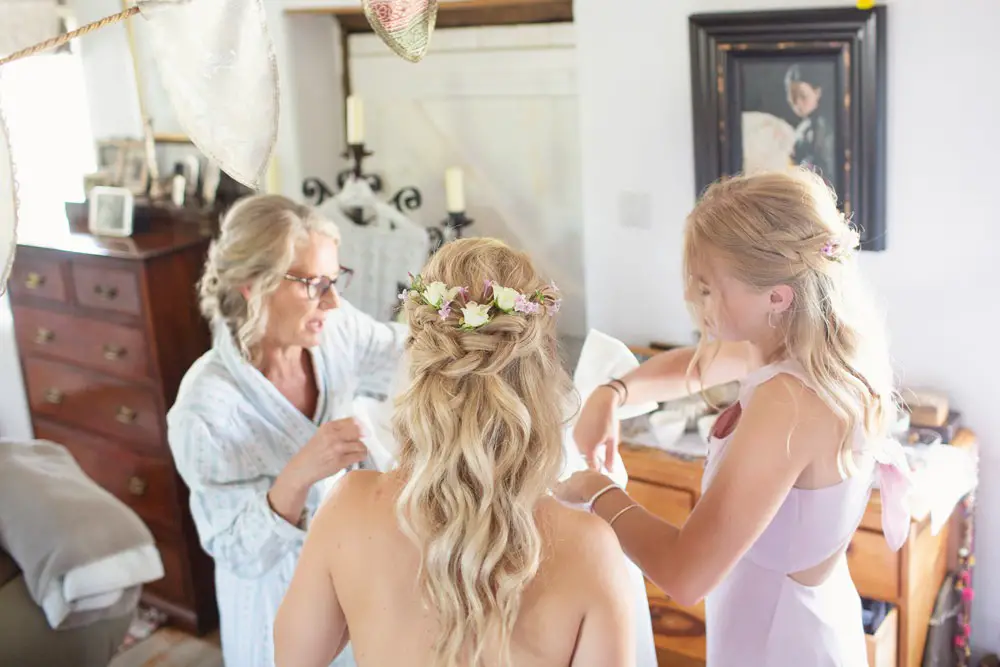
[266,413]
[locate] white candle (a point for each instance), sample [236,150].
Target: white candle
[454,191]
[355,120]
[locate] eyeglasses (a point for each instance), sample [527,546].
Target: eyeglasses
[318,287]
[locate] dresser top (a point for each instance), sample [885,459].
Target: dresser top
[160,240]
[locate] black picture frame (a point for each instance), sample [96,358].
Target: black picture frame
[726,46]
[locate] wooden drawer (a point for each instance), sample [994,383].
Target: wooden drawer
[882,646]
[115,409]
[107,289]
[143,482]
[671,505]
[173,587]
[874,566]
[658,467]
[681,630]
[100,345]
[37,277]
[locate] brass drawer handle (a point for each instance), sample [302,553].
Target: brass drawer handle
[108,293]
[125,415]
[113,352]
[44,336]
[34,280]
[53,396]
[137,486]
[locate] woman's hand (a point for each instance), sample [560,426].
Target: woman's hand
[597,426]
[335,446]
[581,487]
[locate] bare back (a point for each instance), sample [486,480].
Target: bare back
[565,610]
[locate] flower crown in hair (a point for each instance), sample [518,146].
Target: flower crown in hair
[497,299]
[841,247]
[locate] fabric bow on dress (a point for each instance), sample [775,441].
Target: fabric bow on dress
[892,471]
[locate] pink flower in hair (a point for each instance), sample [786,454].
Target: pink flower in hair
[464,293]
[523,305]
[487,290]
[445,310]
[829,249]
[554,307]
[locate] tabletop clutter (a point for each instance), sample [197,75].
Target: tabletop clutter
[942,474]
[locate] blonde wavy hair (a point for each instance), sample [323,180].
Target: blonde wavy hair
[480,430]
[784,228]
[259,238]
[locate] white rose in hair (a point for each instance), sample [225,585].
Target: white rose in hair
[475,315]
[437,293]
[505,298]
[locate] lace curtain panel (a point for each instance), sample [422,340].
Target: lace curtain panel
[217,64]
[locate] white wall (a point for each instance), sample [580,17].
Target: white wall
[937,281]
[107,68]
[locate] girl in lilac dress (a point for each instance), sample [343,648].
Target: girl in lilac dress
[772,278]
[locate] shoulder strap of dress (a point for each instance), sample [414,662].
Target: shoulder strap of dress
[764,373]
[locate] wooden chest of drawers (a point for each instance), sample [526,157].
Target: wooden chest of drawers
[105,330]
[910,578]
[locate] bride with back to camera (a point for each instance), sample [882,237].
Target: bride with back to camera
[460,557]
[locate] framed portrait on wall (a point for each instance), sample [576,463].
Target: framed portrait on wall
[802,87]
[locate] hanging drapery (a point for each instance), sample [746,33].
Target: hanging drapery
[404,25]
[217,64]
[25,22]
[8,205]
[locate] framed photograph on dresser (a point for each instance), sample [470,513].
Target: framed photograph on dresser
[802,87]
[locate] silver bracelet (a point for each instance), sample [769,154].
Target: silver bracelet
[620,512]
[593,498]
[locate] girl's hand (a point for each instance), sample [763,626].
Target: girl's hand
[581,487]
[598,427]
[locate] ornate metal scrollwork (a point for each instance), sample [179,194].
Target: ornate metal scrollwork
[314,188]
[407,199]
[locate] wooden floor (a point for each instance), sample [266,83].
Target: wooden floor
[169,647]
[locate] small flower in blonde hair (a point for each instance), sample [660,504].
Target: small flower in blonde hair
[475,315]
[505,298]
[438,294]
[523,304]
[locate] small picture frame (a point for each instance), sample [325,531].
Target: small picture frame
[110,212]
[135,169]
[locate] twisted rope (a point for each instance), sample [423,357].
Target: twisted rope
[63,39]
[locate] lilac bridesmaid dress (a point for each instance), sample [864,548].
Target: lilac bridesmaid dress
[759,616]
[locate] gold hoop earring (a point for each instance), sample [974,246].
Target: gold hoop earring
[770,322]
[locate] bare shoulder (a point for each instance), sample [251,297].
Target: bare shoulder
[349,498]
[581,538]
